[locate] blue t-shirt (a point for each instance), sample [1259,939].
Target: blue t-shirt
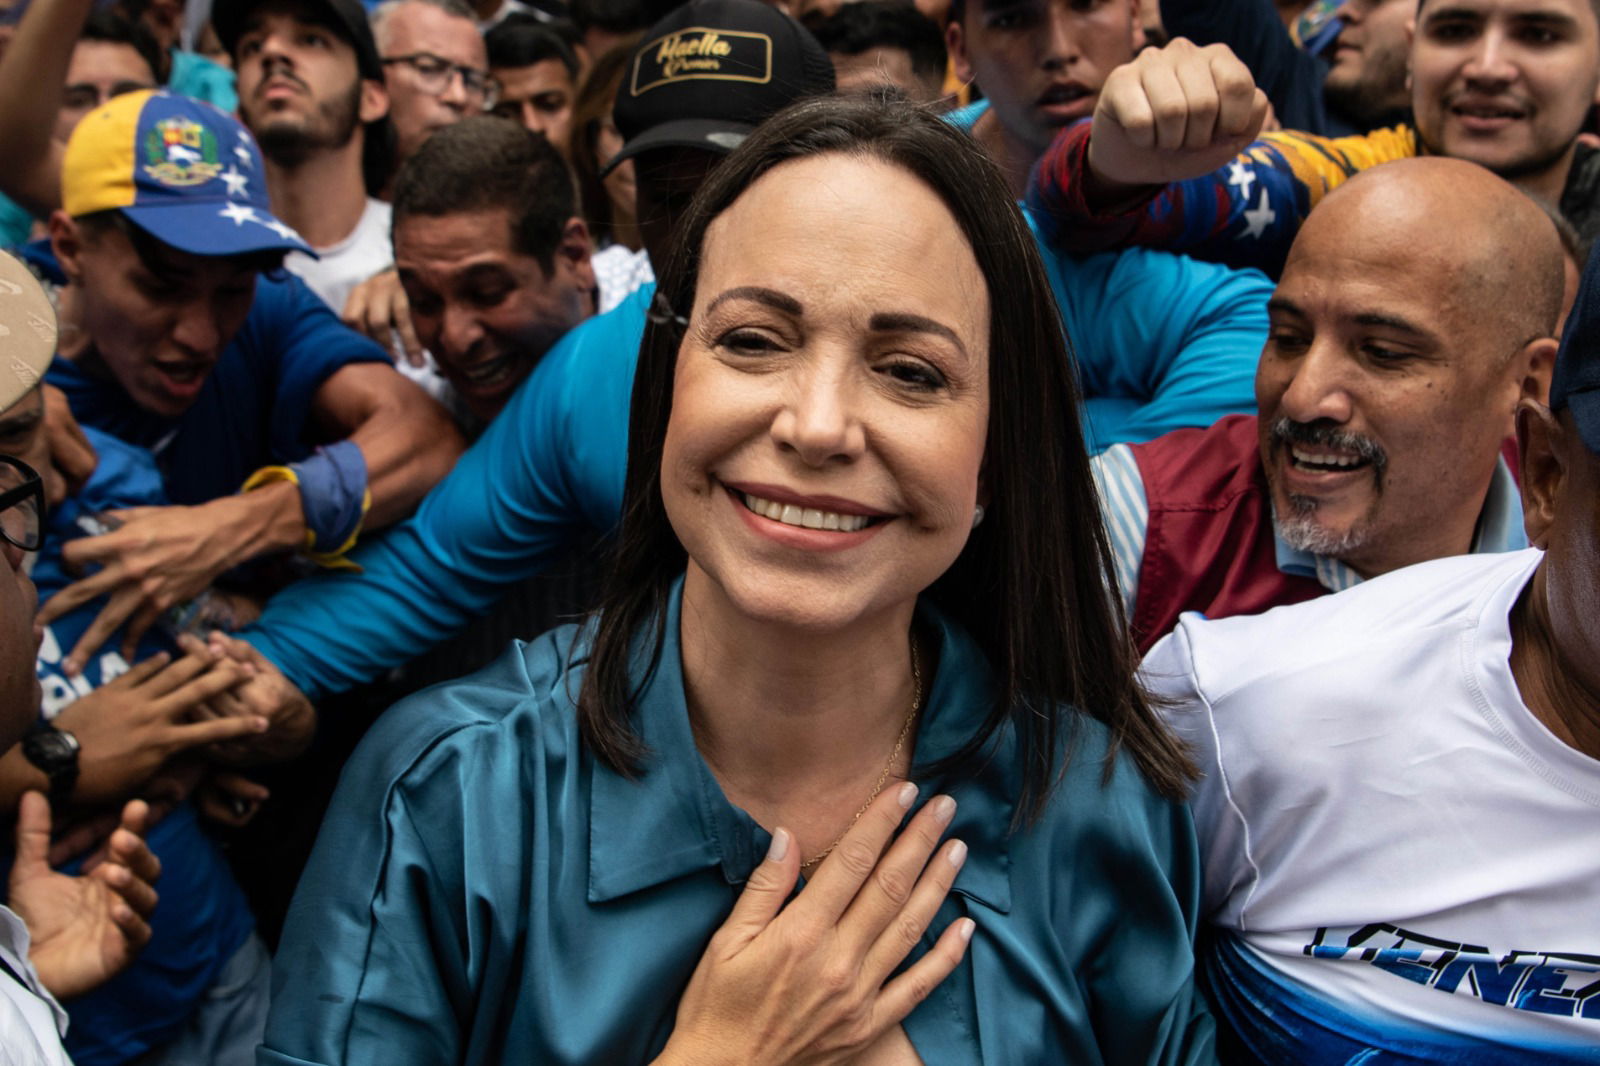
[202,917]
[484,891]
[252,410]
[1162,341]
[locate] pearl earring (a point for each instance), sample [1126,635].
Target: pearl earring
[977,515]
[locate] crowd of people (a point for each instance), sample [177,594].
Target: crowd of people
[1028,532]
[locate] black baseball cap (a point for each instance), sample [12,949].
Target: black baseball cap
[707,74]
[1576,383]
[347,18]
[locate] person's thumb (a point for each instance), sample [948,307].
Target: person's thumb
[33,834]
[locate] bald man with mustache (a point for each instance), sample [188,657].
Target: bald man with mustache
[1416,309]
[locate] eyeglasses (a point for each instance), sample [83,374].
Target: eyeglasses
[84,96]
[21,503]
[434,74]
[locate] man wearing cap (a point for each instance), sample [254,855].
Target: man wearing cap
[311,90]
[1398,818]
[230,376]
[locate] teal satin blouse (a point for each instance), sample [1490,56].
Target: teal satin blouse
[483,891]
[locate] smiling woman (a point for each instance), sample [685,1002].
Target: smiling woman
[852,571]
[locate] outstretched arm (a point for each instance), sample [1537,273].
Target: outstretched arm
[32,73]
[1157,170]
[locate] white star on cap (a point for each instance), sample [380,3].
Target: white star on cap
[239,214]
[238,184]
[282,230]
[243,155]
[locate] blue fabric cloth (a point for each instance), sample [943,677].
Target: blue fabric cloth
[333,491]
[201,918]
[1267,1020]
[484,891]
[195,76]
[253,408]
[550,468]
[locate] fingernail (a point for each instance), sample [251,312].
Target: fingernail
[965,928]
[957,854]
[70,668]
[944,809]
[779,846]
[907,795]
[262,725]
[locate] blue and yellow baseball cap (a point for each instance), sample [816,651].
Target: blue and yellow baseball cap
[181,170]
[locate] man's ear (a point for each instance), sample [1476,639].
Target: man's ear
[574,252]
[1411,39]
[1137,37]
[1538,360]
[66,241]
[1541,455]
[374,100]
[955,42]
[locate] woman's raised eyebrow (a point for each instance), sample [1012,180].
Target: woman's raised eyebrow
[771,297]
[905,322]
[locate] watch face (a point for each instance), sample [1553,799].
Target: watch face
[46,748]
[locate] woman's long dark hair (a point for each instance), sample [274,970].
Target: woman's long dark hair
[1034,584]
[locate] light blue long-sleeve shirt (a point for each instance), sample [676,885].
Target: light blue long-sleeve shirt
[1162,342]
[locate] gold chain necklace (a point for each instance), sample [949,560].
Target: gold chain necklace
[900,742]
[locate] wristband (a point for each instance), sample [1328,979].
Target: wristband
[333,497]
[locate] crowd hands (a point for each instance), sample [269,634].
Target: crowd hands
[1357,425]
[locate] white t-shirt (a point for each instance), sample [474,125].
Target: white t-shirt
[343,266]
[32,1023]
[1392,839]
[618,270]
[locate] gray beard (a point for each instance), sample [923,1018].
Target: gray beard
[1301,531]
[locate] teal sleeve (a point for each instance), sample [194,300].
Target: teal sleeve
[1163,342]
[549,468]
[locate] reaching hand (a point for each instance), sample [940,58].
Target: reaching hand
[1172,114]
[84,929]
[810,982]
[378,307]
[157,558]
[266,695]
[129,728]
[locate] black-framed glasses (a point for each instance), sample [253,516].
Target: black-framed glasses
[434,74]
[21,503]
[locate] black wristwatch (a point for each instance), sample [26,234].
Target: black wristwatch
[55,751]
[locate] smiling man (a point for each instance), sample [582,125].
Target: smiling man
[1397,807]
[1503,83]
[492,255]
[1386,390]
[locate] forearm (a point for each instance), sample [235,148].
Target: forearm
[260,522]
[409,445]
[32,74]
[1077,212]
